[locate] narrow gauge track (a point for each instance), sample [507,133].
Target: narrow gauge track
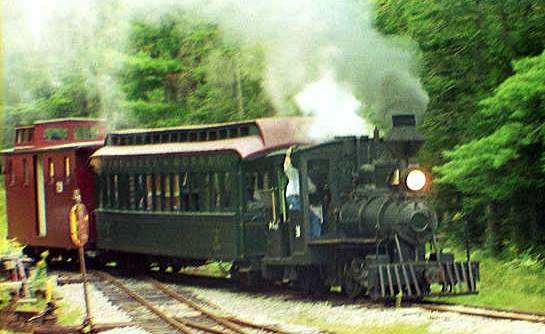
[478,311]
[200,320]
[481,311]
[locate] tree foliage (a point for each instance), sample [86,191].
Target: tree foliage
[482,68]
[181,71]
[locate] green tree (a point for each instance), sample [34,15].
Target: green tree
[506,163]
[179,70]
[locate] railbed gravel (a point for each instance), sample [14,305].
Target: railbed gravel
[281,310]
[103,310]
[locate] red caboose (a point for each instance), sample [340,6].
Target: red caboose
[48,161]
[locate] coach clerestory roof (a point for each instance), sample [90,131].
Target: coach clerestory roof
[271,134]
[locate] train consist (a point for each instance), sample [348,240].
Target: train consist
[348,212]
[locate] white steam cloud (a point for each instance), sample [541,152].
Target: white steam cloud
[334,108]
[323,57]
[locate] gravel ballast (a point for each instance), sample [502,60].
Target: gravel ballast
[102,309]
[299,315]
[280,310]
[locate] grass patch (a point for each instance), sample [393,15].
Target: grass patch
[213,269]
[68,315]
[343,328]
[516,284]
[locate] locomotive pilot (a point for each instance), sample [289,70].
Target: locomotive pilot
[293,196]
[79,221]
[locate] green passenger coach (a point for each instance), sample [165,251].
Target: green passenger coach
[180,196]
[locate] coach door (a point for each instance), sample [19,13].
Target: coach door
[40,195]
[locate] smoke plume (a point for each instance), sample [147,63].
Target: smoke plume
[322,57]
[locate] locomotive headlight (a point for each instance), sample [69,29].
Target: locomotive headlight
[416,180]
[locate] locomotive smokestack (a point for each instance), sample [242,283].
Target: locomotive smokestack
[404,139]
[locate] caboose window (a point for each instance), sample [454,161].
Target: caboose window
[29,135]
[66,168]
[11,172]
[85,133]
[51,166]
[25,172]
[56,133]
[18,136]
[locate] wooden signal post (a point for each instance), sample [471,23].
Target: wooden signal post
[79,234]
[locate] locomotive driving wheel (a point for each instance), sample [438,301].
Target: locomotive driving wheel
[352,274]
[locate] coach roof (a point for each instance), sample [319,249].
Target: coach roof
[269,134]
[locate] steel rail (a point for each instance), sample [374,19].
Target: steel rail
[485,312]
[220,320]
[231,321]
[172,322]
[268,328]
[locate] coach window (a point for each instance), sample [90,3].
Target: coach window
[167,205]
[216,185]
[25,173]
[158,192]
[176,192]
[140,191]
[195,184]
[51,166]
[229,188]
[108,189]
[186,191]
[67,168]
[116,191]
[131,194]
[149,192]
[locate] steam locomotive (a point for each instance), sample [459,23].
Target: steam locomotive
[182,196]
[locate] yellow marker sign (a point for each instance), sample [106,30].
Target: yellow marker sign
[79,221]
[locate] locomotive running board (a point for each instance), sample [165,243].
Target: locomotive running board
[457,278]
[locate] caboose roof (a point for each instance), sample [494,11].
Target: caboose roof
[272,133]
[60,133]
[72,146]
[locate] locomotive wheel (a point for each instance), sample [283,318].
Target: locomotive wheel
[350,286]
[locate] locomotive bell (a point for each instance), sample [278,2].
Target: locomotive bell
[404,139]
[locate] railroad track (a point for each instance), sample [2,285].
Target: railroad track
[485,312]
[196,317]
